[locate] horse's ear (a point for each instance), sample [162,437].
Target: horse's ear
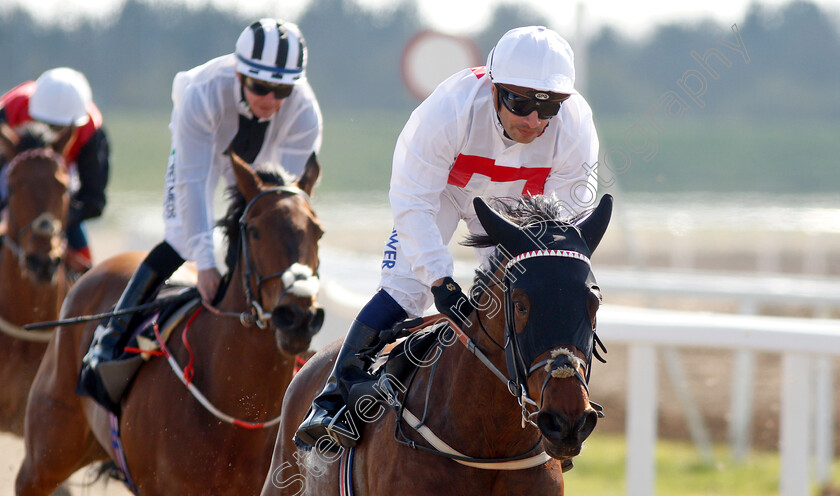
[310,176]
[595,225]
[247,181]
[500,229]
[8,141]
[63,140]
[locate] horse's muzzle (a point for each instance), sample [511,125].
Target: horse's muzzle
[563,439]
[296,326]
[42,269]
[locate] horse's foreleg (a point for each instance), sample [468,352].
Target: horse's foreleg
[57,438]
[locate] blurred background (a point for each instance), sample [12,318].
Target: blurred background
[720,139]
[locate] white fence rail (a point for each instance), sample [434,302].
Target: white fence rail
[801,342]
[749,293]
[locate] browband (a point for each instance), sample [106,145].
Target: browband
[549,253]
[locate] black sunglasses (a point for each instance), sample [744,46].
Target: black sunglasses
[260,88]
[523,106]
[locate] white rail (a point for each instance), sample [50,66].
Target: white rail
[801,342]
[749,292]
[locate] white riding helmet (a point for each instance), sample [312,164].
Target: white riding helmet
[533,57]
[272,51]
[61,97]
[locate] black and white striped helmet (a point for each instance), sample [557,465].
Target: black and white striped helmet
[273,51]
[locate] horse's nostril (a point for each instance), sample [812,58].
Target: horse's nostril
[316,320]
[43,269]
[552,426]
[587,424]
[286,317]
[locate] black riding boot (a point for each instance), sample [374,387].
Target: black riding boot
[328,415]
[99,374]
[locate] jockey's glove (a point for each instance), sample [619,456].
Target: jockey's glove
[452,302]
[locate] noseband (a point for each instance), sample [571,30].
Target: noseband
[293,277]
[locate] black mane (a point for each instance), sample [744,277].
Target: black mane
[230,222]
[525,211]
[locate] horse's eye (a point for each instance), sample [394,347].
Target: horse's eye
[520,307]
[254,233]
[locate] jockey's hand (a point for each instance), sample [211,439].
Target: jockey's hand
[208,283]
[451,301]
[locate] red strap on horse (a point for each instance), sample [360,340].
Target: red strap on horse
[139,351]
[299,362]
[189,370]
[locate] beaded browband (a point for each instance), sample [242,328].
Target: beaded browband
[549,253]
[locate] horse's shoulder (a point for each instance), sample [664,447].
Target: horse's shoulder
[120,263]
[323,358]
[316,368]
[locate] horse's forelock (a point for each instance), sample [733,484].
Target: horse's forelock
[33,135]
[525,211]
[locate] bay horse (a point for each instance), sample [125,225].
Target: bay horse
[33,280]
[453,426]
[219,440]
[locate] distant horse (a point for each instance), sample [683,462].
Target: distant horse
[219,440]
[458,424]
[33,280]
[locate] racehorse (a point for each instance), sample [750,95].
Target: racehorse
[33,280]
[219,439]
[453,426]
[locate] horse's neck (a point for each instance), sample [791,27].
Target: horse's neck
[232,358]
[21,300]
[470,408]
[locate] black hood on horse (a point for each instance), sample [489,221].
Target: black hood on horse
[556,316]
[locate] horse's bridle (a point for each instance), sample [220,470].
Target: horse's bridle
[257,315]
[562,362]
[45,224]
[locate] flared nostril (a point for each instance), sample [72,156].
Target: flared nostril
[287,317]
[316,320]
[552,426]
[586,424]
[42,269]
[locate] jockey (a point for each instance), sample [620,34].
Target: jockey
[62,97]
[514,127]
[256,102]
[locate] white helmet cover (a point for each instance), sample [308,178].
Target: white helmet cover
[61,97]
[272,51]
[533,57]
